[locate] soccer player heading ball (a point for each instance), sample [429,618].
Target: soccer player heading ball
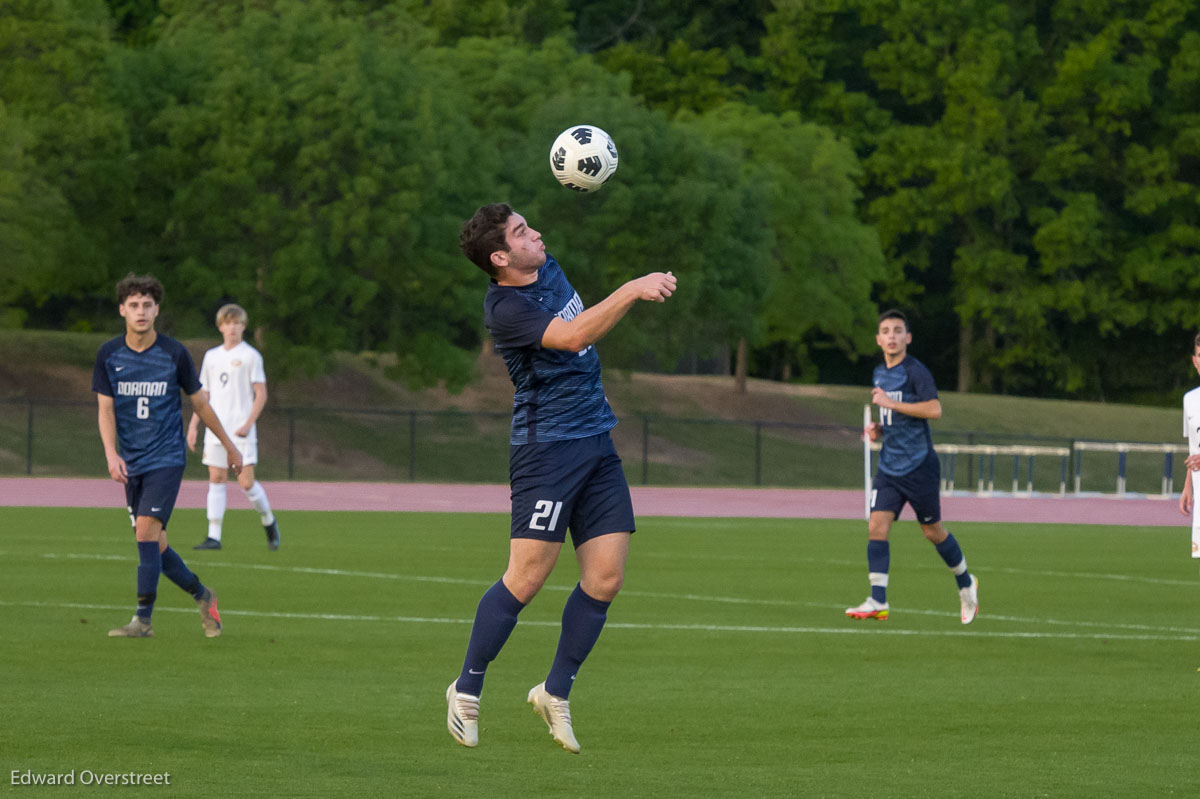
[908,470]
[564,471]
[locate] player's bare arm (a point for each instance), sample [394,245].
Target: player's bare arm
[108,434]
[590,326]
[193,430]
[209,417]
[1185,496]
[260,402]
[927,409]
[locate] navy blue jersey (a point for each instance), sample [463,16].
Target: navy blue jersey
[559,395]
[145,390]
[906,439]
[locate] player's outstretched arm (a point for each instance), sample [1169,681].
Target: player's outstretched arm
[209,417]
[107,417]
[590,326]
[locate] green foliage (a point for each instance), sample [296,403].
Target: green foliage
[1044,161]
[531,21]
[32,214]
[822,258]
[65,178]
[303,165]
[1030,173]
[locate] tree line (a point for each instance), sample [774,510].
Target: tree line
[1022,177]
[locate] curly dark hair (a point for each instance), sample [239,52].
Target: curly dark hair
[483,234]
[146,285]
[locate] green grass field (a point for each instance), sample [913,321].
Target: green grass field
[727,668]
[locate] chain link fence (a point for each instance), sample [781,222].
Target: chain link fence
[50,438]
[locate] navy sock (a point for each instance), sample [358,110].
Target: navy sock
[879,560]
[582,620]
[952,554]
[178,573]
[149,567]
[495,619]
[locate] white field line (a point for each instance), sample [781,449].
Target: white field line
[1057,574]
[863,629]
[1188,633]
[1125,578]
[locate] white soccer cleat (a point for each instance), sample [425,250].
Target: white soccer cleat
[557,715]
[970,600]
[462,715]
[870,609]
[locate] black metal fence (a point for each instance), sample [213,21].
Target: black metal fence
[42,437]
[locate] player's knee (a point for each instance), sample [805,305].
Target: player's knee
[603,586]
[524,585]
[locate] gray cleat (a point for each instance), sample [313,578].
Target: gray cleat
[135,629]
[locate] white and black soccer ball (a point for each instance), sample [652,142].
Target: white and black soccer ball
[583,158]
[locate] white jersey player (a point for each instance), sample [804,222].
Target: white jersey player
[1191,431]
[235,383]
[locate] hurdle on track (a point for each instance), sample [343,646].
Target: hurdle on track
[948,456]
[1122,449]
[986,465]
[987,459]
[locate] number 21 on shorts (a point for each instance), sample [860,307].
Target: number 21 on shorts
[541,509]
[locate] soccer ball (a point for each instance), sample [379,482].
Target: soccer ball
[583,157]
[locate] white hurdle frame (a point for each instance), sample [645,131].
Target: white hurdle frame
[951,451]
[1122,448]
[990,452]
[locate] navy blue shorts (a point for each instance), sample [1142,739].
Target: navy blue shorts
[153,493]
[577,484]
[920,488]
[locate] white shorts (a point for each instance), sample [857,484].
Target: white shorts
[215,455]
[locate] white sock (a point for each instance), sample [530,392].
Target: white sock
[258,497]
[216,509]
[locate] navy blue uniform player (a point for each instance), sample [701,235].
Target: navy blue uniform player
[564,471]
[137,380]
[908,470]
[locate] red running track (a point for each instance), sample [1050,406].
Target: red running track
[784,503]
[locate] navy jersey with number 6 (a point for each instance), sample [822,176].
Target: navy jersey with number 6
[907,441]
[559,395]
[145,390]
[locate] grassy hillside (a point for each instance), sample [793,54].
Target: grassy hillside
[355,423]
